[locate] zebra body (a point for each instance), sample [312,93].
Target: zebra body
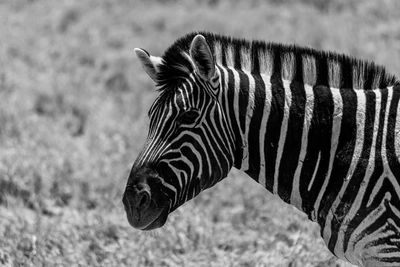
[320,130]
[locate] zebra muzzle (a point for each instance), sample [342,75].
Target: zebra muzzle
[141,201]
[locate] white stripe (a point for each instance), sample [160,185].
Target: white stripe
[314,172]
[334,72]
[283,132]
[263,126]
[295,198]
[397,134]
[245,59]
[249,114]
[265,62]
[288,66]
[396,211]
[183,92]
[309,70]
[230,62]
[218,52]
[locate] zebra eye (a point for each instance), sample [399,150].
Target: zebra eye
[188,117]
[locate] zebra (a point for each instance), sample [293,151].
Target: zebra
[318,129]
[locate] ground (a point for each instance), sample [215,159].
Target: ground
[73,102]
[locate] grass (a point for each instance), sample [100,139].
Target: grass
[73,102]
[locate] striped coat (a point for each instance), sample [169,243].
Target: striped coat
[318,129]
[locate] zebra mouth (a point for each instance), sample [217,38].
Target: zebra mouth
[152,218]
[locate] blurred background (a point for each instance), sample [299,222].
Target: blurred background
[73,103]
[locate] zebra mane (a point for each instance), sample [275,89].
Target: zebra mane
[289,62]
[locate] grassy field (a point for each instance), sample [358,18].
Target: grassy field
[73,100]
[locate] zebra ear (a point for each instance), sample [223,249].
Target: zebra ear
[202,57]
[150,64]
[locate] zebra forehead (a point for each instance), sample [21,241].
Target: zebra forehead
[260,57]
[179,98]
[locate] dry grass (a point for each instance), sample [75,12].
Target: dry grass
[72,118]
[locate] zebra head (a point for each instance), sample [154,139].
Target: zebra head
[189,146]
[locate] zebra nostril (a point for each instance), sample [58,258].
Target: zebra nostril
[142,199]
[138,195]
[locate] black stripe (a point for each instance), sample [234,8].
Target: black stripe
[292,146]
[193,188]
[254,128]
[274,123]
[382,83]
[369,76]
[321,65]
[391,134]
[236,130]
[237,56]
[346,74]
[319,142]
[255,60]
[277,65]
[299,74]
[223,52]
[243,99]
[341,164]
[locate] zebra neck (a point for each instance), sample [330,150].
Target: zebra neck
[273,119]
[264,127]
